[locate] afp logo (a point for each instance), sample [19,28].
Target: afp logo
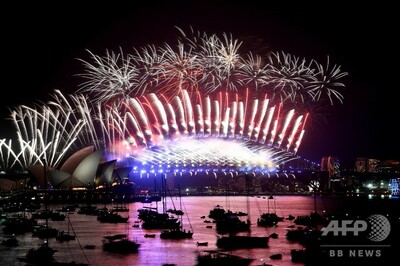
[377,227]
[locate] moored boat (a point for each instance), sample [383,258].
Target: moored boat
[277,256]
[44,231]
[152,219]
[112,217]
[176,234]
[66,236]
[18,225]
[10,240]
[269,218]
[39,256]
[219,258]
[298,255]
[120,244]
[62,236]
[242,242]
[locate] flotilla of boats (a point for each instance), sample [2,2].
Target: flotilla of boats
[228,224]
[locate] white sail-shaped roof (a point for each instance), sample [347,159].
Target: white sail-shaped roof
[85,172]
[75,159]
[106,173]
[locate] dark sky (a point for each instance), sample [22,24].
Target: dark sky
[40,44]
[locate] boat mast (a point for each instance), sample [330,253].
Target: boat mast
[164,191]
[45,199]
[155,192]
[247,199]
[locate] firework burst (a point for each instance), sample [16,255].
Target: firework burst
[209,63]
[138,105]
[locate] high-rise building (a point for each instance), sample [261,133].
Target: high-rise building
[331,164]
[366,165]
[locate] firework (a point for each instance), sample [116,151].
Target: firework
[208,64]
[178,105]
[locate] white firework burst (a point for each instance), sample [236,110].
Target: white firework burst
[111,77]
[326,82]
[209,63]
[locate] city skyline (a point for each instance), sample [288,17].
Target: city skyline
[46,47]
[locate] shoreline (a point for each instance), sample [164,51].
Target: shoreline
[103,196]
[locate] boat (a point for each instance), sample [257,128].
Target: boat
[177,233]
[234,241]
[274,235]
[231,224]
[217,212]
[66,236]
[277,256]
[314,219]
[175,211]
[48,214]
[69,208]
[120,209]
[88,210]
[45,231]
[120,244]
[227,221]
[120,206]
[18,224]
[242,242]
[44,253]
[10,240]
[39,256]
[298,255]
[152,219]
[290,217]
[269,219]
[111,217]
[303,235]
[62,236]
[217,258]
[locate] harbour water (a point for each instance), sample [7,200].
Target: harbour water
[156,251]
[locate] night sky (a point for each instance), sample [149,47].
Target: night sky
[41,43]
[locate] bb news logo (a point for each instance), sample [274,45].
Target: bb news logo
[357,238]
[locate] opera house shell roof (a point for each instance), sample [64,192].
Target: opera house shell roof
[83,169]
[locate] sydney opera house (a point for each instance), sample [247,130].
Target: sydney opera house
[167,111]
